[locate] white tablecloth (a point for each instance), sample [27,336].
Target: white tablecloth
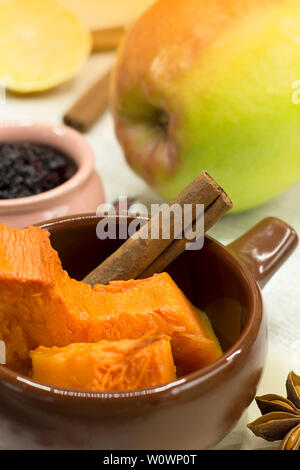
[282,294]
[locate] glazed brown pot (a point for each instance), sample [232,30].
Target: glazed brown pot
[196,411]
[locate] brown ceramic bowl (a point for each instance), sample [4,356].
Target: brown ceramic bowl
[194,412]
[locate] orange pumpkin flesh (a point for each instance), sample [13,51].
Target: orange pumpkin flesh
[40,305]
[106,365]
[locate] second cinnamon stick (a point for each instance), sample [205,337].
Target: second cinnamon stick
[107,39]
[87,110]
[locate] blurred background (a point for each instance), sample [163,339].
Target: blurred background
[104,14]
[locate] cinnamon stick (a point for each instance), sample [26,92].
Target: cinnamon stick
[88,109]
[107,39]
[213,213]
[142,254]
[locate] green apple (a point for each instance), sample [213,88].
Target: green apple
[212,85]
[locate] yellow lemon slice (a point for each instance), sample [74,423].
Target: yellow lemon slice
[42,44]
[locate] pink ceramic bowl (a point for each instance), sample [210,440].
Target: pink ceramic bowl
[81,193]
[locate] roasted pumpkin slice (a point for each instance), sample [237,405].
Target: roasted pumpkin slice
[107,365]
[40,305]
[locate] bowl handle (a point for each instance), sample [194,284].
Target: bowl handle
[265,248]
